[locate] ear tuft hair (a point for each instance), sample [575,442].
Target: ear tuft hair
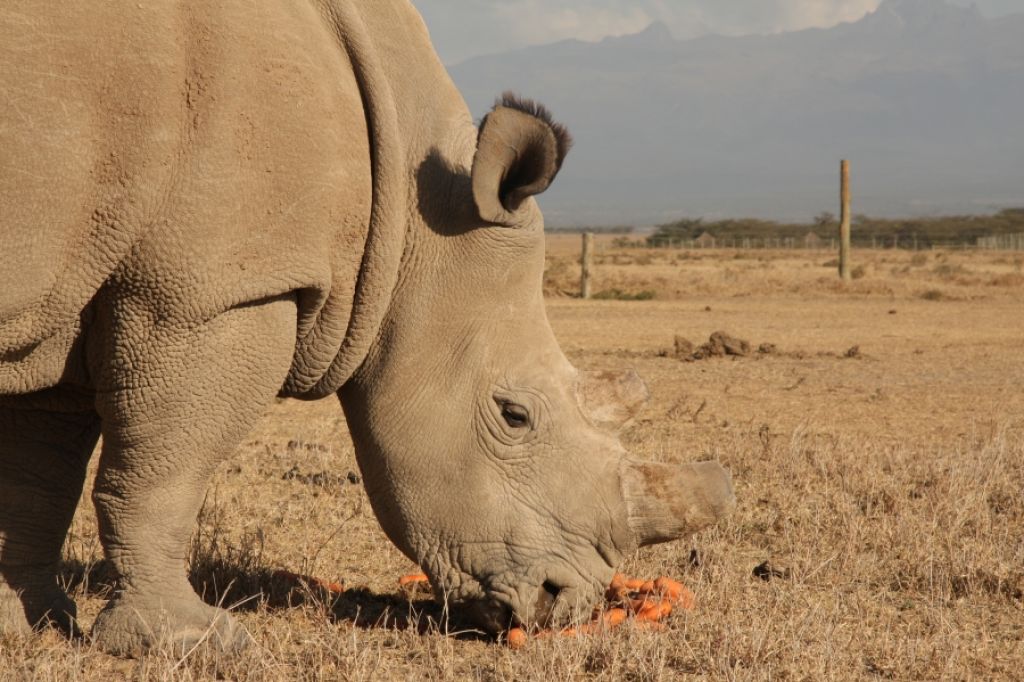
[519,151]
[528,106]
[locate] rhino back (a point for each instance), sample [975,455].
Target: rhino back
[206,156]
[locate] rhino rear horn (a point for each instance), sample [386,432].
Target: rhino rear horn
[612,399]
[519,151]
[670,501]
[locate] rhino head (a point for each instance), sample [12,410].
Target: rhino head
[488,458]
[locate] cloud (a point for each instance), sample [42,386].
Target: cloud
[808,13]
[740,17]
[464,28]
[539,21]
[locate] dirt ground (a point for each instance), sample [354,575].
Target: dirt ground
[876,441]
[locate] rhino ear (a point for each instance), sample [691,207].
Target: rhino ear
[612,399]
[519,150]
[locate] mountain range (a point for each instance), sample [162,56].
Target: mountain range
[926,99]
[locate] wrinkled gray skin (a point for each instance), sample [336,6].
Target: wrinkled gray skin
[239,201]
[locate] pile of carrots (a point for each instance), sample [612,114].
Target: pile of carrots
[648,602]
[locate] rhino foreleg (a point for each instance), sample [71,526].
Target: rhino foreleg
[181,405]
[43,457]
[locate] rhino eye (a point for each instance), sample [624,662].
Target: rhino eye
[515,416]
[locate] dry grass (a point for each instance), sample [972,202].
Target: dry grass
[885,489]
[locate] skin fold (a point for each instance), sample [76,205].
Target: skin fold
[230,203]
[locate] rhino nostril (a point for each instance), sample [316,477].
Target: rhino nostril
[545,604]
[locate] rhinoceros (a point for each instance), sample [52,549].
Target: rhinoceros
[208,205]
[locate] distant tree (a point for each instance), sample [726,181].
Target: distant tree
[686,228]
[825,220]
[925,232]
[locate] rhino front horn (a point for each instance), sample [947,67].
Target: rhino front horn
[669,501]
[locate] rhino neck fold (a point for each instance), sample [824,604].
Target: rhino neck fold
[385,239]
[410,105]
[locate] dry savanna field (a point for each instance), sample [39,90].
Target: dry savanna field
[875,432]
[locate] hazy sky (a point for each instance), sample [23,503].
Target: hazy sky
[466,28]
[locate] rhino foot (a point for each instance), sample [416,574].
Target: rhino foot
[25,606]
[130,627]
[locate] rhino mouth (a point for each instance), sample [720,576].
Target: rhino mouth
[540,585]
[494,614]
[489,614]
[530,605]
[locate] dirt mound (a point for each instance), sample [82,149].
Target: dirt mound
[722,344]
[719,345]
[683,348]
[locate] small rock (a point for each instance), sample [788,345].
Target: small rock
[765,571]
[767,349]
[721,344]
[852,352]
[684,347]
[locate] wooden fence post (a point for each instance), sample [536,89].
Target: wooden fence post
[588,248]
[844,220]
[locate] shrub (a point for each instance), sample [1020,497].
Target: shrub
[620,295]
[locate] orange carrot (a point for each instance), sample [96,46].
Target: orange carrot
[637,605]
[412,579]
[655,612]
[583,629]
[336,588]
[616,588]
[516,638]
[633,584]
[675,592]
[613,617]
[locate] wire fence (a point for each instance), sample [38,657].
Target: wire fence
[1004,242]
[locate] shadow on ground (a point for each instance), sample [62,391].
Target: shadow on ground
[243,588]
